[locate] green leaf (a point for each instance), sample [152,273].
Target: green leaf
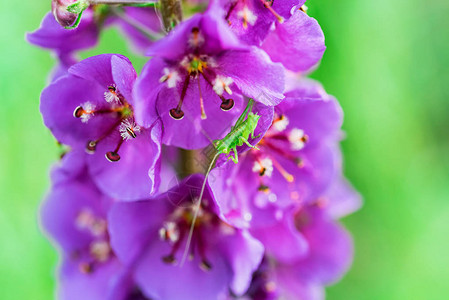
[78,7]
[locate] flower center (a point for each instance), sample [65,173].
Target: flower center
[195,66]
[281,141]
[99,250]
[246,15]
[117,107]
[176,229]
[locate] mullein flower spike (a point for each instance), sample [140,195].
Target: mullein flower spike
[131,207]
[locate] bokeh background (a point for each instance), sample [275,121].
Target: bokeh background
[387,62]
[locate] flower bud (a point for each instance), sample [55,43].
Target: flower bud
[67,12]
[62,15]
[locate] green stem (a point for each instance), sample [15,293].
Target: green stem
[124,2]
[137,25]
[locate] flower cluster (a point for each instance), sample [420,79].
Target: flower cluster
[132,208]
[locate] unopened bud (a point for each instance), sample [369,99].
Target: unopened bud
[68,12]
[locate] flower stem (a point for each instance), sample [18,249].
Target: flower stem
[123,2]
[137,25]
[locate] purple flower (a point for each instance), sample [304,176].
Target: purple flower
[91,108]
[135,22]
[74,214]
[151,236]
[297,43]
[197,75]
[251,20]
[297,160]
[52,35]
[327,257]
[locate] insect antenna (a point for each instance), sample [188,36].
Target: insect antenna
[197,209]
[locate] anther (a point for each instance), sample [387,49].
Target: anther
[113,156]
[205,265]
[91,147]
[226,104]
[78,112]
[176,113]
[131,132]
[264,188]
[268,5]
[169,259]
[85,268]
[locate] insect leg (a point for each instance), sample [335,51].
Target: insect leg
[247,143]
[236,158]
[242,117]
[254,137]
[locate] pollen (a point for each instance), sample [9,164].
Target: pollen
[247,16]
[169,232]
[111,95]
[222,84]
[100,250]
[281,123]
[171,77]
[84,112]
[129,129]
[297,139]
[264,167]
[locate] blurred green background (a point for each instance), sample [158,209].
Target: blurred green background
[387,62]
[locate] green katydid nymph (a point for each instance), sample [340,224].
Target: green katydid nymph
[242,130]
[240,133]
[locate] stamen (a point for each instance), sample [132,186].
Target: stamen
[86,268]
[264,188]
[205,266]
[84,112]
[289,177]
[169,259]
[196,40]
[280,123]
[177,113]
[100,250]
[113,156]
[247,16]
[128,129]
[111,95]
[91,147]
[297,138]
[170,232]
[171,77]
[231,8]
[268,5]
[203,113]
[226,104]
[87,111]
[222,84]
[263,167]
[266,142]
